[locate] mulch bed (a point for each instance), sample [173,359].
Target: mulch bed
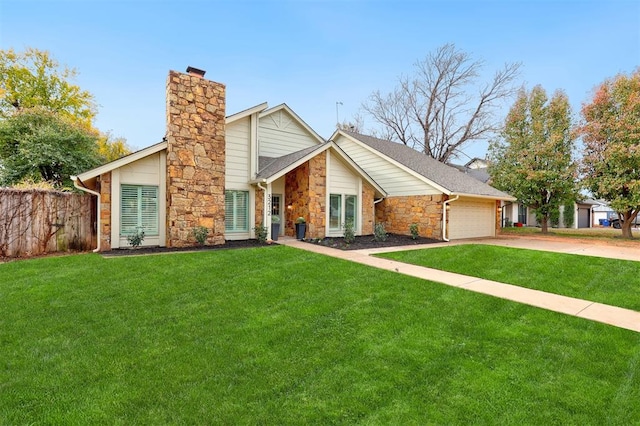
[368,242]
[157,250]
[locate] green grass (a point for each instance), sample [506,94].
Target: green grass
[610,281]
[589,233]
[280,336]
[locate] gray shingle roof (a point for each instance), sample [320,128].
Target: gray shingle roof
[269,168]
[446,176]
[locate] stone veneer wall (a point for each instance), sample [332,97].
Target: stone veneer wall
[306,193]
[104,233]
[368,196]
[398,213]
[316,223]
[259,207]
[296,195]
[195,158]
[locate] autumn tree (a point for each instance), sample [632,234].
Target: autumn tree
[532,158]
[444,105]
[34,79]
[611,134]
[110,148]
[39,145]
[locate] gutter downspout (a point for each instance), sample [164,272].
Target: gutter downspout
[444,217]
[264,208]
[374,211]
[97,194]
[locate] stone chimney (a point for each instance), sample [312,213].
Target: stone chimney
[195,157]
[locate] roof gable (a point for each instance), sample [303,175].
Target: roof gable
[274,168]
[287,119]
[448,179]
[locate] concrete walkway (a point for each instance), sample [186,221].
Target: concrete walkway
[612,315]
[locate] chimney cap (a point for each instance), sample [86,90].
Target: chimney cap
[196,72]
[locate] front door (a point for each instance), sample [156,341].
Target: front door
[276,204]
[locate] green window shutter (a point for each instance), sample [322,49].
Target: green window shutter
[138,209]
[236,206]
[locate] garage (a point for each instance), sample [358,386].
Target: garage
[469,218]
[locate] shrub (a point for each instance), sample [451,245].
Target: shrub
[379,233]
[569,214]
[301,220]
[349,232]
[136,238]
[261,233]
[413,228]
[200,233]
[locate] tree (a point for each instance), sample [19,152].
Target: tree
[611,134]
[40,145]
[110,148]
[532,159]
[34,79]
[435,111]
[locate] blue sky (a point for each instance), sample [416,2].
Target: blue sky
[312,54]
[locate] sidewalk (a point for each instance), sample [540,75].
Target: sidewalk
[612,315]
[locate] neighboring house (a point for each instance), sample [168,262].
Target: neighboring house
[583,215]
[418,188]
[233,173]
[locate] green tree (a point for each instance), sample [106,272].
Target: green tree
[532,159]
[110,148]
[39,145]
[611,134]
[34,79]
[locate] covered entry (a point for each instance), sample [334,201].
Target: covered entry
[472,218]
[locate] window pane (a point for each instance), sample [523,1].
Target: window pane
[236,217]
[350,209]
[138,209]
[335,211]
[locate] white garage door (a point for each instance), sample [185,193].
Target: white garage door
[472,219]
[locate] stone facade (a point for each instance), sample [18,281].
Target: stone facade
[195,158]
[259,207]
[296,195]
[316,223]
[398,213]
[368,212]
[306,193]
[104,233]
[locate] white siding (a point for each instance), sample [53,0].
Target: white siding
[150,170]
[145,171]
[238,136]
[340,179]
[394,180]
[470,218]
[280,134]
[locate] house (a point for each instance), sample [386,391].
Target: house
[583,215]
[424,191]
[232,173]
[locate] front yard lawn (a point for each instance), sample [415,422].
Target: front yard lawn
[611,281]
[281,336]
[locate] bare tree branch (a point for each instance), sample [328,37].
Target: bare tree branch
[436,111]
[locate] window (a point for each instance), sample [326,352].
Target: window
[522,213]
[342,209]
[138,209]
[236,215]
[335,211]
[350,209]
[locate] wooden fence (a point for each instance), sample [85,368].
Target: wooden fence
[35,221]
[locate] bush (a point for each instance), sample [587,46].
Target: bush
[413,229]
[379,233]
[200,233]
[261,233]
[569,214]
[136,238]
[349,232]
